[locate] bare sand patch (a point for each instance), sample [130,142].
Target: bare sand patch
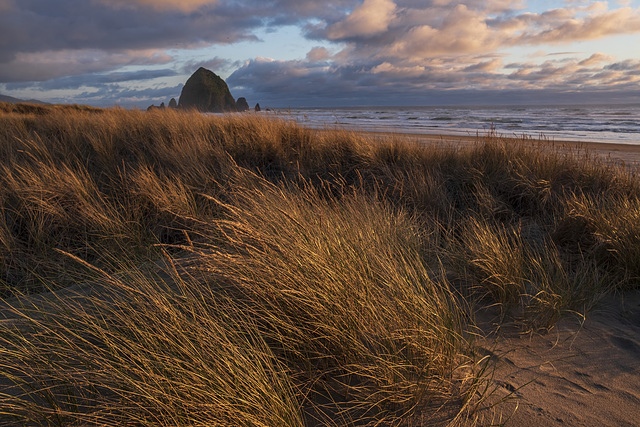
[584,372]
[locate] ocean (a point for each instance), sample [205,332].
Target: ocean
[588,123]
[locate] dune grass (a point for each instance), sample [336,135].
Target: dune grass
[172,268]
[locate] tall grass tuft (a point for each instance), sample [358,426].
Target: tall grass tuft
[339,287]
[141,349]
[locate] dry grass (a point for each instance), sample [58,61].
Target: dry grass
[245,270]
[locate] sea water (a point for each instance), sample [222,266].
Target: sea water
[588,123]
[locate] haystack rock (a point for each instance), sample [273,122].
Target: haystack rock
[242,104]
[173,103]
[206,92]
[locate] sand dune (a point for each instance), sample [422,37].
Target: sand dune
[583,372]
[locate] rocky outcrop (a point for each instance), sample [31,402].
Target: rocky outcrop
[207,92]
[173,103]
[257,109]
[242,104]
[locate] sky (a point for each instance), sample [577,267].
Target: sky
[310,53]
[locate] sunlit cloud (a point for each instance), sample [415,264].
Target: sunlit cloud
[596,58]
[389,69]
[565,26]
[370,18]
[318,54]
[486,66]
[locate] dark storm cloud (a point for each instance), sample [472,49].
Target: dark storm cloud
[41,25]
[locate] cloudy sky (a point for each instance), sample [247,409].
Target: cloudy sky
[323,53]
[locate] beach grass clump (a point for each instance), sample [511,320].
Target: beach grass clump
[605,229]
[293,307]
[137,348]
[526,277]
[340,288]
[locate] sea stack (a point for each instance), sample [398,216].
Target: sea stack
[206,92]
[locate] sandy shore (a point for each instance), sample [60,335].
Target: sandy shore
[624,154]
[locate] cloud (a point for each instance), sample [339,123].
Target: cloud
[486,66]
[372,17]
[460,31]
[216,64]
[49,65]
[6,5]
[567,25]
[596,58]
[387,84]
[410,30]
[628,65]
[362,48]
[373,82]
[318,54]
[162,5]
[93,80]
[392,70]
[109,95]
